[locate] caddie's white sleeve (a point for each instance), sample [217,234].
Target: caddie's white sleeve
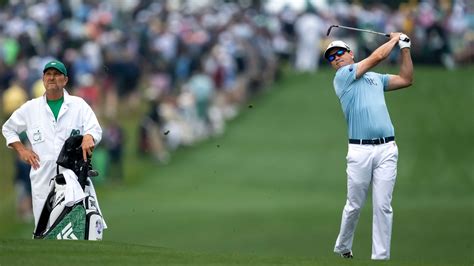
[14,126]
[91,124]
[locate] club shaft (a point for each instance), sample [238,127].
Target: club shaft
[369,31]
[362,30]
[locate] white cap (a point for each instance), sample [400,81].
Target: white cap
[336,44]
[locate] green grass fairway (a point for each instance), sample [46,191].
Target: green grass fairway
[29,252]
[271,190]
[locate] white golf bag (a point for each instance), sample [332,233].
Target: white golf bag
[71,210]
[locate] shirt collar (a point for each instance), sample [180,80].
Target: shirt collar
[67,97]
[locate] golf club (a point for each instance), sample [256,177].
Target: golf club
[362,30]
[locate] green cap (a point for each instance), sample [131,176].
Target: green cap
[58,65]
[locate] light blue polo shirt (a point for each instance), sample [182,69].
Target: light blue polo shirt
[363,103]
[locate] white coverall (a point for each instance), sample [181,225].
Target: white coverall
[47,137]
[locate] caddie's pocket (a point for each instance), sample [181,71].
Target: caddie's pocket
[36,135]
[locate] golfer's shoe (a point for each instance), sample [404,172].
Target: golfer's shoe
[347,255]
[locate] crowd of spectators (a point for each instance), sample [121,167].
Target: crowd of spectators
[442,31]
[194,69]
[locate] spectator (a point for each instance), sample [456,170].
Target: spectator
[13,98]
[309,31]
[23,186]
[150,134]
[114,143]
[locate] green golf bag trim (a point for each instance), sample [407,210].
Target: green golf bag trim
[72,226]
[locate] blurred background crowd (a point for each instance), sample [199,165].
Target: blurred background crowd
[190,66]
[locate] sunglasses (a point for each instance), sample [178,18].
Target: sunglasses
[338,53]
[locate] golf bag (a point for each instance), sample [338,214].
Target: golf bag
[71,210]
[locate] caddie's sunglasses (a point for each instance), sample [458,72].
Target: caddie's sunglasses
[338,53]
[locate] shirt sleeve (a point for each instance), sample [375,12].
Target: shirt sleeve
[91,124]
[344,77]
[14,126]
[385,80]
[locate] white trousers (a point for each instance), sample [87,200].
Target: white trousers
[376,165]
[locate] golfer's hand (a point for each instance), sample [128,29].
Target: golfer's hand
[395,36]
[29,157]
[87,146]
[404,41]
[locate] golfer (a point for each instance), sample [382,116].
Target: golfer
[48,121]
[372,153]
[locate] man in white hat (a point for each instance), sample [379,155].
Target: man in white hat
[372,154]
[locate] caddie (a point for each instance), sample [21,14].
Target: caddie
[48,121]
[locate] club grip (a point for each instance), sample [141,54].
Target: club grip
[405,40]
